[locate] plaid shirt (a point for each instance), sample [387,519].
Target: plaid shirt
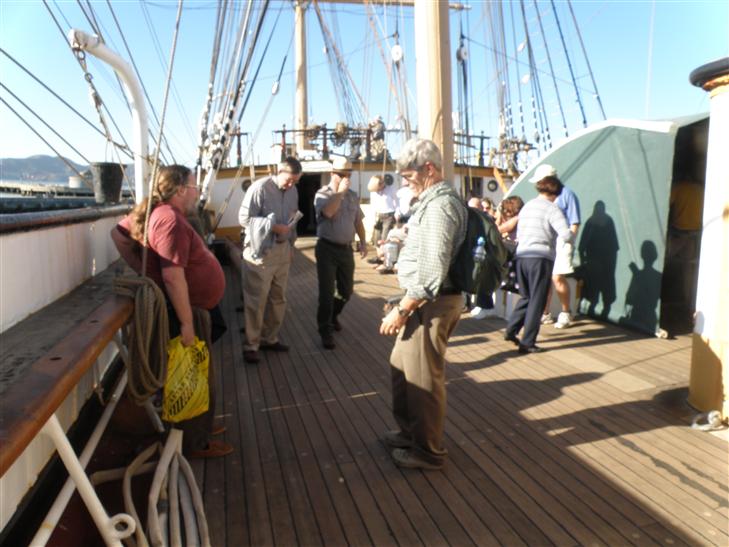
[436,229]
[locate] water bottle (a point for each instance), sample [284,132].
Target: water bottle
[390,250]
[479,251]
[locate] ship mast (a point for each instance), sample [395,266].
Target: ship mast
[433,77]
[433,74]
[302,105]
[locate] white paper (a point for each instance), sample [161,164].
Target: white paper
[298,215]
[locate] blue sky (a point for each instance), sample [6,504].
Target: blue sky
[641,54]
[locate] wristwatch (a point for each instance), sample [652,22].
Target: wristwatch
[402,312]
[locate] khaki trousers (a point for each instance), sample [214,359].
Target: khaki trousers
[264,294]
[418,375]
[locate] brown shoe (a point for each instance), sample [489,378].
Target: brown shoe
[218,430]
[251,356]
[215,449]
[396,439]
[406,458]
[276,346]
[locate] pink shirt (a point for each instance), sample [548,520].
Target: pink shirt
[174,242]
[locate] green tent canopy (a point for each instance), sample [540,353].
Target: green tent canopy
[622,173]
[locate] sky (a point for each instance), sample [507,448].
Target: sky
[641,54]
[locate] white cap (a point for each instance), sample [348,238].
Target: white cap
[544,170]
[340,164]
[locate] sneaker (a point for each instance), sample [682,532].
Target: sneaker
[525,350]
[564,320]
[406,458]
[215,449]
[547,319]
[478,313]
[395,439]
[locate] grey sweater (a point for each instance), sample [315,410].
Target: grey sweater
[541,222]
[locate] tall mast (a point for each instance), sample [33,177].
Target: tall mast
[433,76]
[301,113]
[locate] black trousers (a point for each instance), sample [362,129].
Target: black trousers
[335,271]
[534,276]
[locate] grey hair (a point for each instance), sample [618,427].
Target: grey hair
[291,165]
[415,153]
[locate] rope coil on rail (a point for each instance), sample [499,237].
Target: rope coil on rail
[149,335]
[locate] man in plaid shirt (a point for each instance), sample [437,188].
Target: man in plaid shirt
[426,316]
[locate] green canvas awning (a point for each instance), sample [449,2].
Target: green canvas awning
[621,172]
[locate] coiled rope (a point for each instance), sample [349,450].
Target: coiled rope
[149,335]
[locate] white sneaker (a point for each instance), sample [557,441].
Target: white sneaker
[546,319]
[564,320]
[482,313]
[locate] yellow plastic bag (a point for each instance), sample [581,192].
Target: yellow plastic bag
[186,386]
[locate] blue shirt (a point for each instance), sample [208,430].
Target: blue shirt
[570,205]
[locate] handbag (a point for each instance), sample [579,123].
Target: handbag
[185,393]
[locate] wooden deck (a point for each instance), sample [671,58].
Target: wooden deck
[586,444]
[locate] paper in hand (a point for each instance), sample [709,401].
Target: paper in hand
[297,216]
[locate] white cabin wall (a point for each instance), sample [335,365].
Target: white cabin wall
[37,267]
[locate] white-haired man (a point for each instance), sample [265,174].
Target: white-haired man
[425,317]
[267,215]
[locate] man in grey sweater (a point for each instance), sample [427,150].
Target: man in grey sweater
[541,223]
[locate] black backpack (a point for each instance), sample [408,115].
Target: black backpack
[480,278]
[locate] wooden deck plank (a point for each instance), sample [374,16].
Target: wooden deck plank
[585,444]
[609,457]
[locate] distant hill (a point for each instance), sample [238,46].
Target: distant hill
[38,169]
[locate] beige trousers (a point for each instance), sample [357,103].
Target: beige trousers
[418,375]
[264,294]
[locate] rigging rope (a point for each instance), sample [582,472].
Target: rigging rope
[341,75]
[249,152]
[541,126]
[155,163]
[69,164]
[160,57]
[551,69]
[123,148]
[56,133]
[569,64]
[587,61]
[522,125]
[253,80]
[158,144]
[223,144]
[204,118]
[394,90]
[96,96]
